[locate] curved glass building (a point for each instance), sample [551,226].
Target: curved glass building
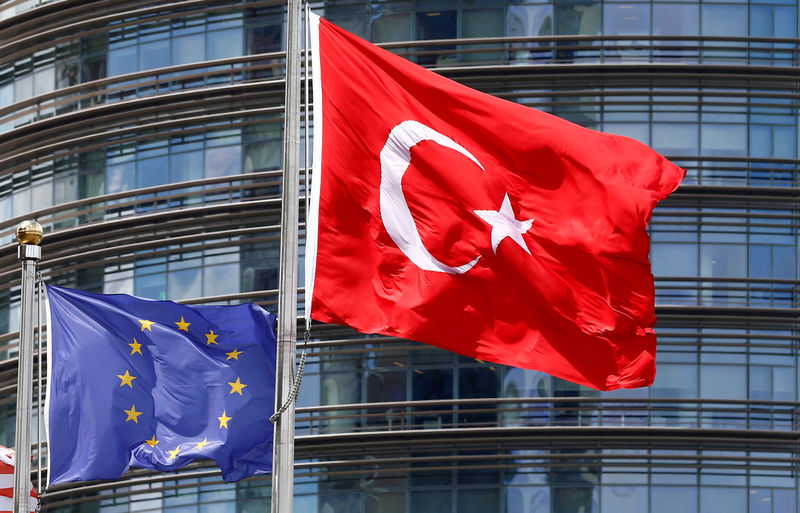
[146,138]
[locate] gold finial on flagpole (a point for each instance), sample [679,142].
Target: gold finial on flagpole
[29,232]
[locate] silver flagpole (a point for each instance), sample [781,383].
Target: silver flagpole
[283,452]
[29,235]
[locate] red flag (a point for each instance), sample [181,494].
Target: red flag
[452,217]
[7,459]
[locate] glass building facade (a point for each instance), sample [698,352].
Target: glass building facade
[146,138]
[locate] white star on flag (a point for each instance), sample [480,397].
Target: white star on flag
[505,224]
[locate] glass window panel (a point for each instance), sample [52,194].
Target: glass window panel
[265,38]
[760,383]
[623,499]
[761,20]
[760,141]
[574,19]
[386,27]
[41,195]
[722,381]
[153,286]
[155,54]
[44,80]
[723,140]
[760,261]
[723,260]
[784,142]
[675,381]
[783,384]
[221,279]
[482,23]
[122,60]
[7,94]
[673,499]
[120,177]
[186,166]
[784,262]
[724,20]
[676,19]
[184,284]
[478,501]
[723,500]
[628,19]
[152,172]
[529,20]
[675,138]
[223,161]
[784,499]
[784,25]
[430,501]
[65,189]
[224,43]
[187,49]
[22,201]
[23,88]
[674,259]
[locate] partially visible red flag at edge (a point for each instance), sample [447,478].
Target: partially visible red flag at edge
[7,459]
[448,216]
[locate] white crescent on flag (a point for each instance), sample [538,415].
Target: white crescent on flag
[397,218]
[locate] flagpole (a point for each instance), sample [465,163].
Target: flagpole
[283,451]
[29,235]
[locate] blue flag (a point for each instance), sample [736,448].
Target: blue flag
[157,385]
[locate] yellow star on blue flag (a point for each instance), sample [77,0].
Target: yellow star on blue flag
[156,402]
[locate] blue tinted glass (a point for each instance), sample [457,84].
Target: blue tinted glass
[529,20]
[761,20]
[760,141]
[785,142]
[723,260]
[676,19]
[223,161]
[187,49]
[152,172]
[154,55]
[675,381]
[673,259]
[672,499]
[675,138]
[224,43]
[221,279]
[122,60]
[623,499]
[724,20]
[153,286]
[760,264]
[186,166]
[785,22]
[120,177]
[628,19]
[7,94]
[727,499]
[784,262]
[723,139]
[723,381]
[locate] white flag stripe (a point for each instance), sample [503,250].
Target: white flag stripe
[6,480]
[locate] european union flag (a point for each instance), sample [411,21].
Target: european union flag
[157,385]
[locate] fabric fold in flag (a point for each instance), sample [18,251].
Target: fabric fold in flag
[448,216]
[157,385]
[7,463]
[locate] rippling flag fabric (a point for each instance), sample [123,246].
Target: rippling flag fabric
[448,216]
[157,385]
[7,463]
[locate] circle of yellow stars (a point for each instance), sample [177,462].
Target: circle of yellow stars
[132,415]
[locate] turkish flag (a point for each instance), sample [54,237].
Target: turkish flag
[448,216]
